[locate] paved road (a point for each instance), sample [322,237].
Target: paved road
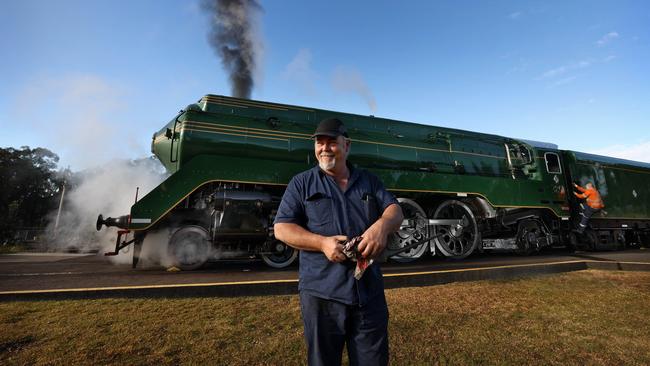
[52,271]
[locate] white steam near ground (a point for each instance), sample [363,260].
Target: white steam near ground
[154,251]
[108,189]
[86,120]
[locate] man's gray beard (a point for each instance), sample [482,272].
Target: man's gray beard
[327,166]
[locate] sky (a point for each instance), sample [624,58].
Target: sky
[93,80]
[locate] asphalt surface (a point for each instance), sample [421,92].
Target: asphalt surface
[61,276]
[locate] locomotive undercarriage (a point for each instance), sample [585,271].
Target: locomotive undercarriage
[218,221]
[458,227]
[612,234]
[230,220]
[236,222]
[521,230]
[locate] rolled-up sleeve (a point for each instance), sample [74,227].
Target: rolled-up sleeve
[292,209]
[384,198]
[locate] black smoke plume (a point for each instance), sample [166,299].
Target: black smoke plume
[234,39]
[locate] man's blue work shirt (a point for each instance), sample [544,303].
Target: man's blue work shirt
[314,201]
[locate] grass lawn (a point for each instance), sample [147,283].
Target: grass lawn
[11,248]
[587,317]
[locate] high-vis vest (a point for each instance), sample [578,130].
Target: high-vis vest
[592,197]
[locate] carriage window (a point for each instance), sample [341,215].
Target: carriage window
[552,163]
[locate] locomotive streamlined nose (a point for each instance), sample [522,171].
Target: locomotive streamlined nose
[120,221]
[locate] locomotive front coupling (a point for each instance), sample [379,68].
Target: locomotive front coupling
[121,221]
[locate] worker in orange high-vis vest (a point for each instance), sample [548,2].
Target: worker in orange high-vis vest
[593,204]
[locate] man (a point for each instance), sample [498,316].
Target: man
[594,204]
[322,208]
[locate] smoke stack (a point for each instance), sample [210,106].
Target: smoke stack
[235,40]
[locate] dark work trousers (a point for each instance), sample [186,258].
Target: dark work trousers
[586,214]
[331,324]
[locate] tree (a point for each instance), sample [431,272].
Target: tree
[30,188]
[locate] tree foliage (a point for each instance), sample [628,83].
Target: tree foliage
[30,188]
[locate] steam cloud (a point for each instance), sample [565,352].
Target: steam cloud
[300,72]
[83,121]
[350,80]
[110,190]
[235,39]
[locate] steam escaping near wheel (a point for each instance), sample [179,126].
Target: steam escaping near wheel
[189,247]
[235,39]
[108,190]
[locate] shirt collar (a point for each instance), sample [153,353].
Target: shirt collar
[354,172]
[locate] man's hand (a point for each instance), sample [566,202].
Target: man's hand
[373,243]
[375,238]
[333,249]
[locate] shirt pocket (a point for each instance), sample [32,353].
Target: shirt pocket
[318,209]
[371,207]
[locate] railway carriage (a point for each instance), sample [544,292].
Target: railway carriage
[230,160]
[625,188]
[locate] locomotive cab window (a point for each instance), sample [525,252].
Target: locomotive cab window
[525,155]
[552,163]
[518,154]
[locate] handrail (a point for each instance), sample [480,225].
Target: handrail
[171,148]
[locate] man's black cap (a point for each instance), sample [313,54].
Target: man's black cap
[332,127]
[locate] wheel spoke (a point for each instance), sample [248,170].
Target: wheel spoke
[418,230]
[456,241]
[282,255]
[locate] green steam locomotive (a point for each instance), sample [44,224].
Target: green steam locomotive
[461,191]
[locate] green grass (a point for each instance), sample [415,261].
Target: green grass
[11,248]
[588,317]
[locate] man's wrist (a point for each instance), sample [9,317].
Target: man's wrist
[320,242]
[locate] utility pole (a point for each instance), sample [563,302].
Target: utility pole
[58,214]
